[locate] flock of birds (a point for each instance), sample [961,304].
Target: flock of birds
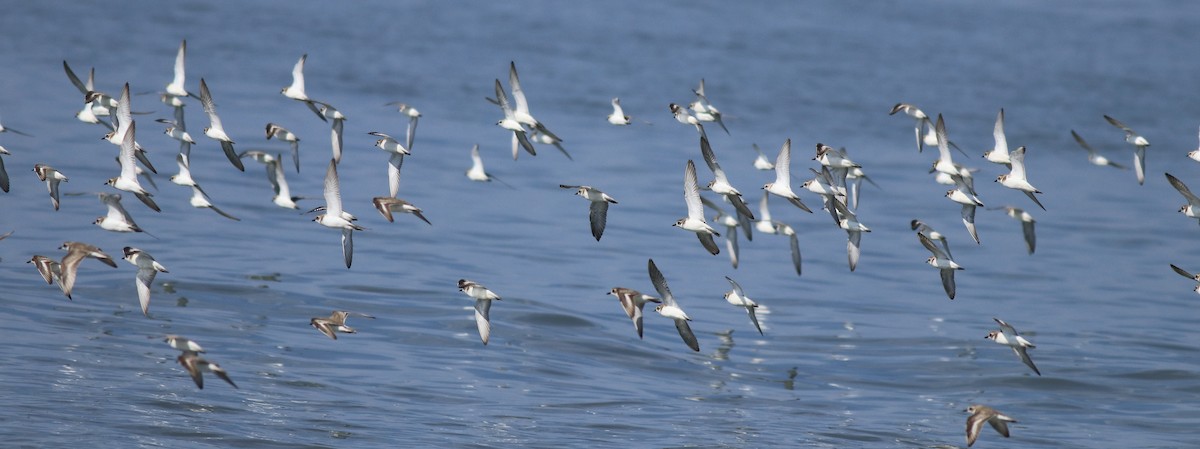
[836,181]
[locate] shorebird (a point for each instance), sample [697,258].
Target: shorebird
[147,267]
[670,307]
[1008,336]
[1139,143]
[214,130]
[51,177]
[694,221]
[633,302]
[336,322]
[981,414]
[335,216]
[483,305]
[598,209]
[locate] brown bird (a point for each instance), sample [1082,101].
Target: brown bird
[335,323]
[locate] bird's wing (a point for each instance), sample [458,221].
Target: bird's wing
[145,276]
[482,321]
[660,284]
[783,163]
[333,194]
[691,192]
[598,215]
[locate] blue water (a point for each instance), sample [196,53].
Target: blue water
[874,358]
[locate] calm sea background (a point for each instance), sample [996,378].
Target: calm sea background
[874,358]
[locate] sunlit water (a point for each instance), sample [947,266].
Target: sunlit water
[874,358]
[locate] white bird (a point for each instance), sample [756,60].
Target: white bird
[1192,208]
[476,172]
[832,158]
[413,115]
[1193,155]
[670,307]
[703,109]
[389,144]
[1015,179]
[598,210]
[942,261]
[618,116]
[336,322]
[918,115]
[848,221]
[214,130]
[999,152]
[103,104]
[176,88]
[1140,143]
[964,191]
[396,153]
[964,195]
[296,91]
[52,178]
[128,180]
[510,123]
[90,108]
[118,219]
[633,302]
[695,216]
[334,216]
[123,119]
[337,122]
[283,134]
[388,204]
[720,183]
[945,162]
[1096,159]
[175,129]
[764,224]
[1027,225]
[1008,336]
[760,161]
[738,298]
[521,106]
[184,178]
[483,305]
[968,175]
[683,116]
[981,414]
[782,186]
[930,139]
[824,185]
[147,267]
